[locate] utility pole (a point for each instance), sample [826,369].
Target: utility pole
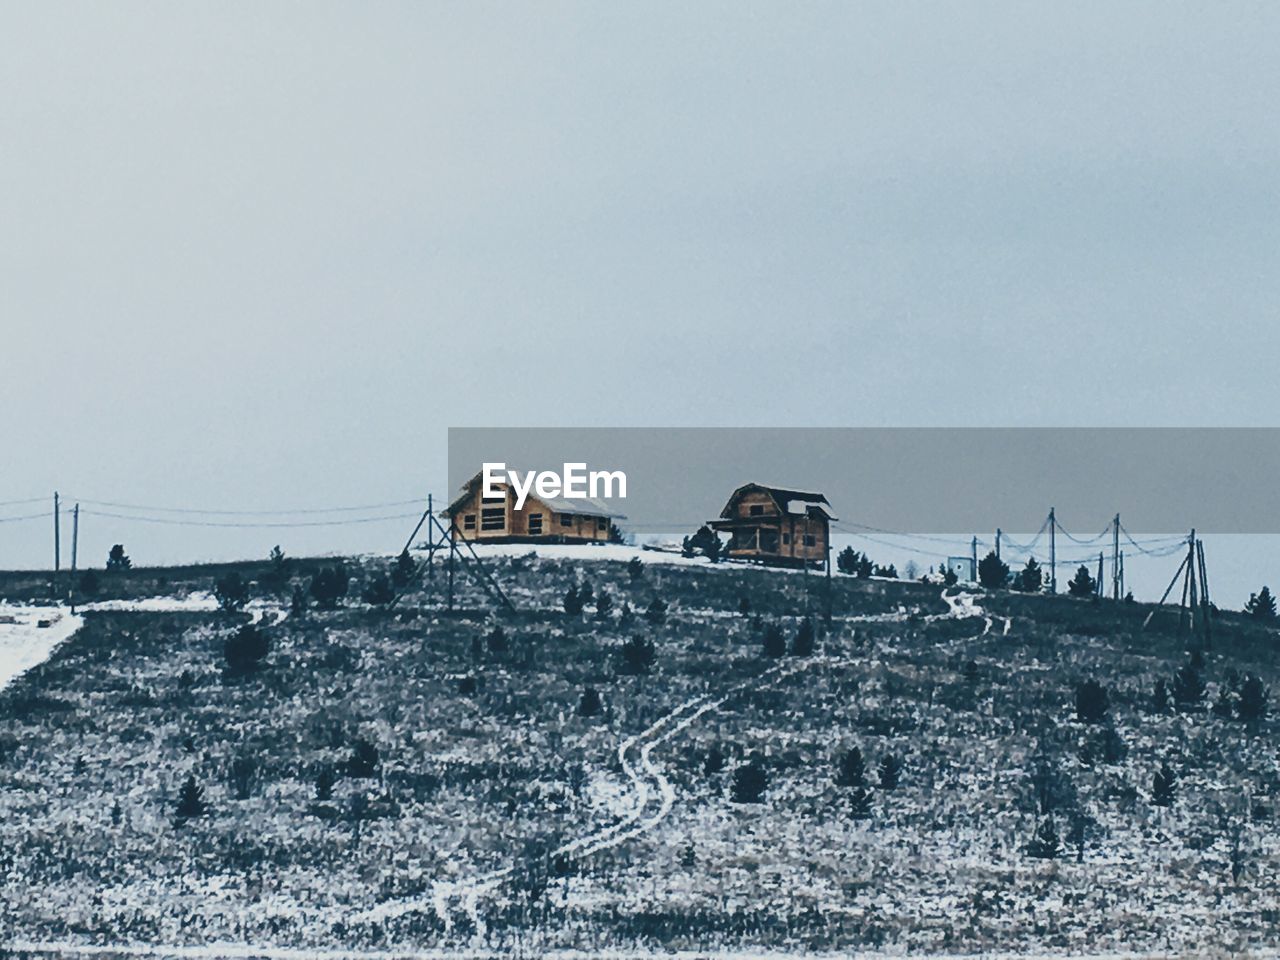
[973,559]
[431,543]
[1122,590]
[75,546]
[998,543]
[1099,588]
[57,543]
[1204,590]
[1053,552]
[1115,558]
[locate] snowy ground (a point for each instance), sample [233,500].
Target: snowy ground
[24,642]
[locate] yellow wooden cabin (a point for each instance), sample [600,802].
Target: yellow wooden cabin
[773,525]
[541,520]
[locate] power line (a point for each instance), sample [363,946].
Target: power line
[247,524]
[18,503]
[252,513]
[30,516]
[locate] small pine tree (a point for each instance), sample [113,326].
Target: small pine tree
[635,569]
[656,612]
[1160,698]
[1252,705]
[231,592]
[364,760]
[889,573]
[1224,705]
[1092,702]
[802,645]
[496,640]
[744,605]
[993,573]
[586,594]
[1187,687]
[325,781]
[851,768]
[1261,605]
[704,542]
[749,783]
[1082,584]
[116,813]
[971,673]
[847,561]
[638,655]
[1030,578]
[329,586]
[949,577]
[404,571]
[775,644]
[117,559]
[90,583]
[1044,844]
[615,534]
[277,576]
[1164,786]
[190,800]
[860,803]
[245,650]
[604,605]
[590,705]
[378,592]
[890,772]
[573,602]
[713,762]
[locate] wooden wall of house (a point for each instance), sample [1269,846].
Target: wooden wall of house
[581,528]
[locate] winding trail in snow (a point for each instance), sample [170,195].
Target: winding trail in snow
[646,779]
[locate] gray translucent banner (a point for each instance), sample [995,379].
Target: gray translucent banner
[918,480]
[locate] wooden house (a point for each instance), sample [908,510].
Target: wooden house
[540,520]
[776,526]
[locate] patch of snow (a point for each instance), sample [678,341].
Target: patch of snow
[24,643]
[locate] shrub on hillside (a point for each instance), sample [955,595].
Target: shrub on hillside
[231,592]
[404,571]
[1092,702]
[775,644]
[851,769]
[1261,605]
[1082,584]
[117,559]
[496,640]
[1164,786]
[802,645]
[276,578]
[656,612]
[860,803]
[364,760]
[90,584]
[604,605]
[890,771]
[1252,704]
[1030,578]
[378,592]
[329,586]
[245,650]
[993,573]
[635,568]
[749,783]
[706,543]
[1044,843]
[590,704]
[1187,687]
[190,802]
[572,601]
[638,655]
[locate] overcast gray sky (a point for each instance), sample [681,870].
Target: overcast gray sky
[262,255]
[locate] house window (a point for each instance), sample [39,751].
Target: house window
[809,540]
[566,519]
[535,524]
[786,538]
[756,510]
[493,518]
[602,524]
[469,521]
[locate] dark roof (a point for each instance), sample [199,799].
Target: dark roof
[784,498]
[586,506]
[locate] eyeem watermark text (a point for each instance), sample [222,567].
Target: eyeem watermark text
[574,482]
